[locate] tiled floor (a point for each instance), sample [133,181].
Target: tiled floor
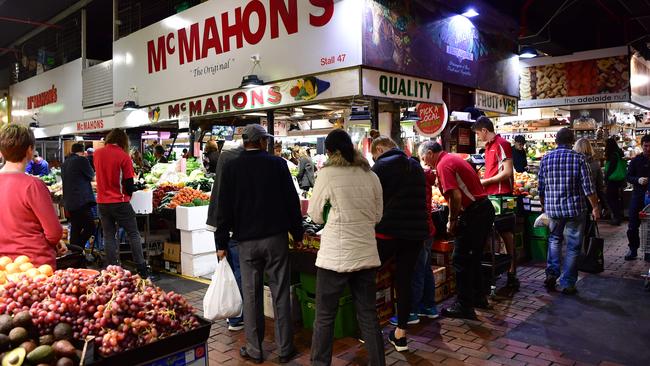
[449,341]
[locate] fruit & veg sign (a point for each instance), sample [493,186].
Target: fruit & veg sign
[433,119]
[291,92]
[210,47]
[493,102]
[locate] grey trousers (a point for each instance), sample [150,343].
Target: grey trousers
[120,214]
[270,255]
[329,286]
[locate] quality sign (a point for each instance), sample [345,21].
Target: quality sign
[400,87]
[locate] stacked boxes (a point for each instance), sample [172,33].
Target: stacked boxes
[198,251]
[443,273]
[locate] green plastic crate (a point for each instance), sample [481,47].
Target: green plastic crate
[345,323]
[538,249]
[503,204]
[535,232]
[308,282]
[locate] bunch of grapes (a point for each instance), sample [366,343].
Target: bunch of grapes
[122,311]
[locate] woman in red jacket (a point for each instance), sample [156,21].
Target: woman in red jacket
[28,226]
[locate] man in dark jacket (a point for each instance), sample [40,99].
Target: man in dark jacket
[637,173]
[259,204]
[78,197]
[403,228]
[230,151]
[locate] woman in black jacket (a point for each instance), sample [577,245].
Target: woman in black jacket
[78,197]
[613,154]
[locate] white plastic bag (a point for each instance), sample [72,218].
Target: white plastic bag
[541,220]
[222,300]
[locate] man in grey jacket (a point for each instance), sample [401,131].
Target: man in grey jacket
[230,151]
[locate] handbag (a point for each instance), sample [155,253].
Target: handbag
[619,173]
[591,258]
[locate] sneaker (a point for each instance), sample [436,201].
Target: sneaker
[400,344]
[413,319]
[513,282]
[235,326]
[631,255]
[459,311]
[549,282]
[430,313]
[571,290]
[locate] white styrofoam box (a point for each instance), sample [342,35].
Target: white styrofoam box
[296,314]
[198,265]
[197,242]
[142,202]
[191,218]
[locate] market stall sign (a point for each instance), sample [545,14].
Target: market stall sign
[76,128]
[401,87]
[531,136]
[433,119]
[209,47]
[95,124]
[43,98]
[292,92]
[493,102]
[594,77]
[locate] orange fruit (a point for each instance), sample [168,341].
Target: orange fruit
[21,259]
[4,261]
[46,269]
[25,267]
[12,268]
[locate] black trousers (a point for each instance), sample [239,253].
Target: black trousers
[83,225]
[406,254]
[474,226]
[615,199]
[329,287]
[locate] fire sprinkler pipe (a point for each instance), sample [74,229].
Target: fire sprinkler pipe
[30,22]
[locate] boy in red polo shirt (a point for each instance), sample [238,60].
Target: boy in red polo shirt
[471,216]
[498,181]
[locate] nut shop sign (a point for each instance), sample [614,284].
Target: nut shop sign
[433,119]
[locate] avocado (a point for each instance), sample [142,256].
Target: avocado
[62,331]
[42,354]
[6,323]
[47,340]
[23,319]
[14,358]
[28,346]
[197,202]
[64,361]
[64,348]
[4,343]
[18,335]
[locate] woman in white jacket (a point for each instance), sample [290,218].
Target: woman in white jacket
[348,250]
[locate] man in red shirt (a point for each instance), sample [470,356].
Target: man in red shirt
[498,181]
[471,216]
[114,171]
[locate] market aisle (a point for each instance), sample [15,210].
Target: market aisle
[497,337]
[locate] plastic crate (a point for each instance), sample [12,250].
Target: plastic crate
[345,323]
[644,232]
[503,204]
[535,232]
[308,284]
[538,249]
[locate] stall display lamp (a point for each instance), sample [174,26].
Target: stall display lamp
[470,13]
[130,105]
[528,52]
[251,81]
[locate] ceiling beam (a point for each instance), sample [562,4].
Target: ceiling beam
[30,22]
[55,19]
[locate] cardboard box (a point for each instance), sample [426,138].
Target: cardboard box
[197,242]
[384,296]
[191,218]
[439,275]
[173,267]
[442,292]
[296,313]
[441,259]
[198,265]
[172,252]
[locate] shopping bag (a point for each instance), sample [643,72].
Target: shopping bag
[542,220]
[591,258]
[222,300]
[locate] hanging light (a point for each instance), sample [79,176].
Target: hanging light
[410,116]
[528,52]
[470,13]
[251,81]
[130,105]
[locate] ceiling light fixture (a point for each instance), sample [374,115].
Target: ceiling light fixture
[130,105]
[470,13]
[251,80]
[527,52]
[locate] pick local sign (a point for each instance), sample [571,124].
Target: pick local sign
[209,47]
[433,119]
[493,102]
[400,87]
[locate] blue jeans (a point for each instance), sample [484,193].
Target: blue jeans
[570,230]
[233,260]
[423,286]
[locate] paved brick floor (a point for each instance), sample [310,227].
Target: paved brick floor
[449,341]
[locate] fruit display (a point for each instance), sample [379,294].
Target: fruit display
[120,310]
[14,270]
[525,184]
[160,193]
[203,184]
[437,199]
[189,197]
